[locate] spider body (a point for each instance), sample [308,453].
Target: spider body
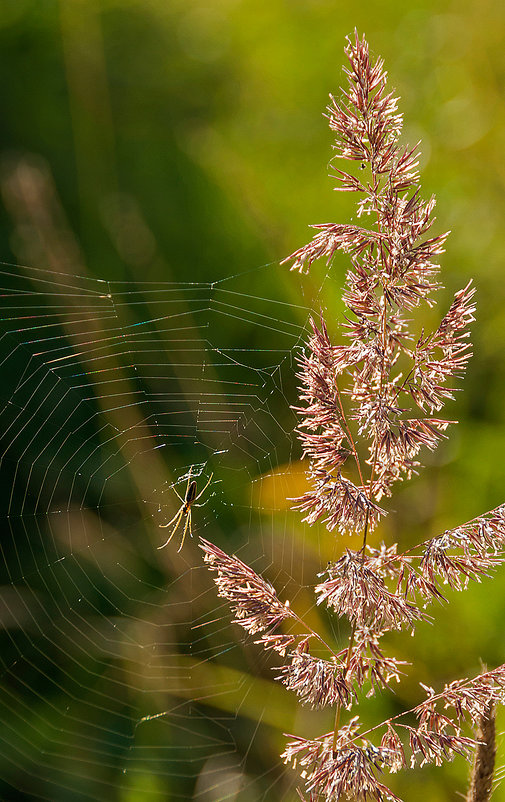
[190,497]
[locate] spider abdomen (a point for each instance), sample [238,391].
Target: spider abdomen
[191,494]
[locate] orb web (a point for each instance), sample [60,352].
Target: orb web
[121,674]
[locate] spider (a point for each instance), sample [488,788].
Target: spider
[189,499]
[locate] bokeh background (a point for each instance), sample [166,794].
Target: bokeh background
[183,141]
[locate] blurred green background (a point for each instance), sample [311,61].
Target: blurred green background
[183,141]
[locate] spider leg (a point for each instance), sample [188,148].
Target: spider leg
[204,488]
[188,524]
[172,533]
[178,495]
[179,511]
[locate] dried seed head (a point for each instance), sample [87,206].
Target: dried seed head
[317,682]
[252,599]
[392,272]
[346,771]
[353,590]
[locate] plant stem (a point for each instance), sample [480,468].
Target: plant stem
[349,648]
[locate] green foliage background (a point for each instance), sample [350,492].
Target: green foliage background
[207,117]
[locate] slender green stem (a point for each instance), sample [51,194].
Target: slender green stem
[349,648]
[339,707]
[372,474]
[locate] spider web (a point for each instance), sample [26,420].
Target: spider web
[122,677]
